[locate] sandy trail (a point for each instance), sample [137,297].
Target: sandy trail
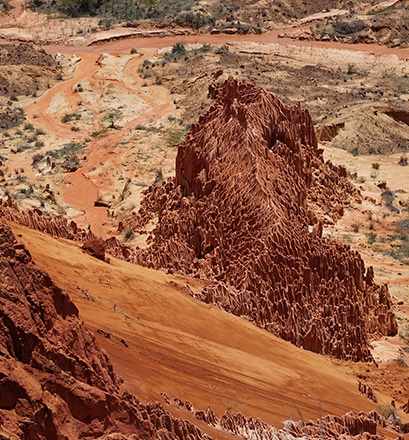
[81,191]
[77,190]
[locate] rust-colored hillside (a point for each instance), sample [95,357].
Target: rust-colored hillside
[170,348]
[55,381]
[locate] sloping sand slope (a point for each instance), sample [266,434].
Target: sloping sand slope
[161,340]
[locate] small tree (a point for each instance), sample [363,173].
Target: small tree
[178,50]
[111,117]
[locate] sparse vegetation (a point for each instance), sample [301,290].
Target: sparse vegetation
[371,237]
[158,177]
[128,234]
[68,117]
[112,117]
[146,128]
[176,135]
[387,197]
[403,161]
[389,411]
[401,362]
[28,126]
[374,174]
[382,11]
[352,70]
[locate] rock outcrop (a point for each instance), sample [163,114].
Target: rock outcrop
[350,426]
[246,210]
[55,383]
[95,248]
[367,391]
[35,219]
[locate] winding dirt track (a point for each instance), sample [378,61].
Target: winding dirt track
[80,190]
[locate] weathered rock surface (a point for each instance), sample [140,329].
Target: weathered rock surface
[359,426]
[349,426]
[367,391]
[245,210]
[35,219]
[55,383]
[25,69]
[96,248]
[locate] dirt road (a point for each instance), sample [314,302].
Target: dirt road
[110,63]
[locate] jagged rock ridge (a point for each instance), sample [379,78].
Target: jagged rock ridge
[241,212]
[55,382]
[35,219]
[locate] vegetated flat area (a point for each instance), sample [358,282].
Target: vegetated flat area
[105,124]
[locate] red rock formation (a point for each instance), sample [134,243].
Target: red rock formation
[95,248]
[55,383]
[35,219]
[349,426]
[360,426]
[367,391]
[243,210]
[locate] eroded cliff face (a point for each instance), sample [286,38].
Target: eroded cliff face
[55,382]
[35,219]
[244,211]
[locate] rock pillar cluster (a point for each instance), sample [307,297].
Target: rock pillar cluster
[244,210]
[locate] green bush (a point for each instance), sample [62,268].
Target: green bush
[178,50]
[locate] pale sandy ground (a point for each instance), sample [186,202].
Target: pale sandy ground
[387,269]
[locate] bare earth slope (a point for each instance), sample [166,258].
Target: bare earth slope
[241,214]
[162,341]
[55,381]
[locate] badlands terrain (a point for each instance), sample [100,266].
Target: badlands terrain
[204,233]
